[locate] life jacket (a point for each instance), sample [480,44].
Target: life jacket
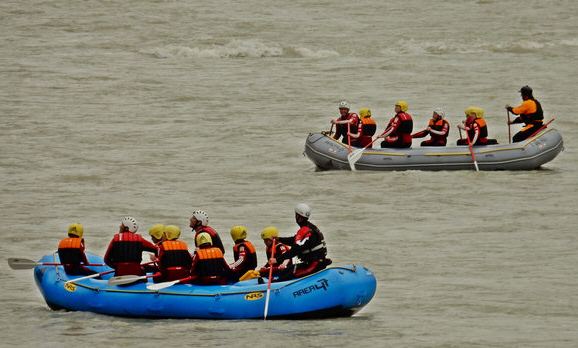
[535,117]
[124,253]
[174,253]
[368,126]
[214,237]
[439,126]
[127,247]
[251,256]
[210,262]
[315,247]
[483,137]
[403,128]
[71,250]
[280,249]
[341,129]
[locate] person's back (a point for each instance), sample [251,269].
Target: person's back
[71,252]
[243,252]
[174,258]
[209,266]
[124,252]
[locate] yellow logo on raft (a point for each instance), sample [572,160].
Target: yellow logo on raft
[254,296]
[70,287]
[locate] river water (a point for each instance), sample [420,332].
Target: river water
[157,108]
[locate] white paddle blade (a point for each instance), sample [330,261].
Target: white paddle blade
[160,286]
[16,263]
[353,157]
[126,279]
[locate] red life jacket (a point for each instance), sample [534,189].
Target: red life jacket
[214,237]
[124,253]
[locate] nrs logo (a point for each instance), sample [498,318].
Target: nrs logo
[254,296]
[70,287]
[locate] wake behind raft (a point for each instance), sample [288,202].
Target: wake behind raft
[333,292]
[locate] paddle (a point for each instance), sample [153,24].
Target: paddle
[349,137]
[98,274]
[269,282]
[128,279]
[164,285]
[88,277]
[538,131]
[472,151]
[509,130]
[354,156]
[18,263]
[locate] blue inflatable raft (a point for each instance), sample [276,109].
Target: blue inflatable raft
[334,292]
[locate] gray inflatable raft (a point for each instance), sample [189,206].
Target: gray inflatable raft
[327,153]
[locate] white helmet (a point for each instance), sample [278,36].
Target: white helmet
[202,217]
[131,223]
[303,209]
[344,105]
[440,112]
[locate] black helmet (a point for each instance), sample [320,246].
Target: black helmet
[526,90]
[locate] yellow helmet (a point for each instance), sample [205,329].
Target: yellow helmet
[172,232]
[157,231]
[479,112]
[269,233]
[238,232]
[204,238]
[365,112]
[76,229]
[402,105]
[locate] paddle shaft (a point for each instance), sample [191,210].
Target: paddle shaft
[160,286]
[472,151]
[19,263]
[354,156]
[348,139]
[544,126]
[269,282]
[98,274]
[88,277]
[509,130]
[127,279]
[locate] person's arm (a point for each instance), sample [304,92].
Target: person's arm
[476,129]
[240,260]
[444,130]
[420,134]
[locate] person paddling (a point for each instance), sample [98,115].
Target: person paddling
[530,113]
[71,252]
[349,121]
[308,245]
[124,252]
[438,129]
